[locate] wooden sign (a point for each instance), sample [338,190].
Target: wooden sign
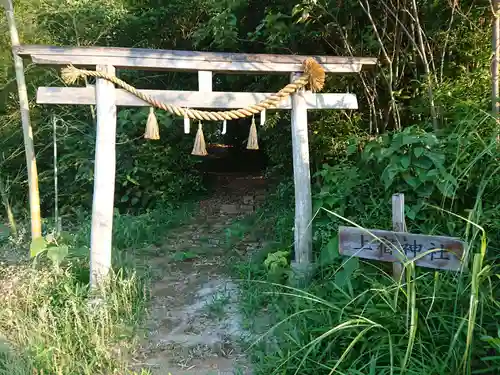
[387,246]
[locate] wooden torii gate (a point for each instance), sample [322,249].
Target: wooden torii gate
[107,98]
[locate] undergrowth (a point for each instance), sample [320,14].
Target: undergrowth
[354,318]
[52,323]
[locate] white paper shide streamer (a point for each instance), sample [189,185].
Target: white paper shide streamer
[224,127]
[263,117]
[187,124]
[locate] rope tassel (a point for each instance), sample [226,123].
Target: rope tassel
[199,148]
[253,143]
[152,129]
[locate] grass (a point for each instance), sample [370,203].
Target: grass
[216,307]
[355,319]
[49,320]
[372,325]
[352,319]
[51,325]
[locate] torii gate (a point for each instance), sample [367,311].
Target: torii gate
[107,98]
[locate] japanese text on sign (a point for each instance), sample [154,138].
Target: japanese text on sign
[431,251]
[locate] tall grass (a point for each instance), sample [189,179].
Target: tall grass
[375,325]
[354,318]
[51,323]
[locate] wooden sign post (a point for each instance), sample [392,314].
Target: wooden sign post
[398,247]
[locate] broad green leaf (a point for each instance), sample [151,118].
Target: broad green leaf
[351,265]
[386,139]
[405,162]
[389,152]
[445,188]
[370,149]
[331,201]
[423,162]
[432,174]
[341,278]
[421,174]
[65,237]
[388,176]
[449,178]
[425,190]
[395,160]
[430,139]
[57,254]
[418,151]
[410,180]
[37,246]
[330,252]
[437,159]
[410,214]
[410,139]
[352,148]
[318,203]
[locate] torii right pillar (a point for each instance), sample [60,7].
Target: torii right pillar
[302,263]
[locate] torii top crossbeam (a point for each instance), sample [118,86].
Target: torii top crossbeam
[140,58]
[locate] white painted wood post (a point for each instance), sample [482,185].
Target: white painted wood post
[205,81]
[398,225]
[302,182]
[34,194]
[104,179]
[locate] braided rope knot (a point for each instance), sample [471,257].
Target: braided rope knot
[313,77]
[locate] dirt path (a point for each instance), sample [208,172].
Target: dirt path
[194,326]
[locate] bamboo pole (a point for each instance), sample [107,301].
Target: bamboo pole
[496,57]
[34,195]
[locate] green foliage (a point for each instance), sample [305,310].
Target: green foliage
[359,159]
[54,248]
[354,318]
[48,318]
[277,260]
[183,256]
[415,164]
[52,307]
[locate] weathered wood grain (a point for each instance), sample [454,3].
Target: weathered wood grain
[398,225]
[185,60]
[104,180]
[301,179]
[191,99]
[400,246]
